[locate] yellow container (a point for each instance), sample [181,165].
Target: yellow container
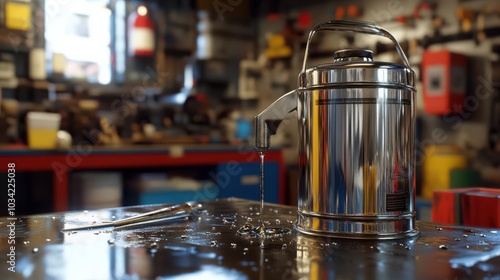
[438,163]
[42,129]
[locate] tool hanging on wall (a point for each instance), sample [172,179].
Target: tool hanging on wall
[424,9]
[479,34]
[465,17]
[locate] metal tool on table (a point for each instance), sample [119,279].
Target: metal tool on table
[164,214]
[357,141]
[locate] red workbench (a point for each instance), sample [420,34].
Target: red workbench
[60,163]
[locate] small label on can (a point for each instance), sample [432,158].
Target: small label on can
[397,202]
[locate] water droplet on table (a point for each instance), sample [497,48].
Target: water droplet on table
[111,241]
[35,250]
[246,228]
[443,247]
[233,245]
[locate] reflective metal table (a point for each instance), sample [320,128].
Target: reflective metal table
[208,246]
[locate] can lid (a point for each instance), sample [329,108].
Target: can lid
[353,55]
[356,68]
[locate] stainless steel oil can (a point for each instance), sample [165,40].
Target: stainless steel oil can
[357,142]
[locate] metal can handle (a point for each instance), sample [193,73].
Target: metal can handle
[354,26]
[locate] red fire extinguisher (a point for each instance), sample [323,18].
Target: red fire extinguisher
[141,33]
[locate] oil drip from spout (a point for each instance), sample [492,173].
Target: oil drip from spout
[262,226]
[261,154]
[251,231]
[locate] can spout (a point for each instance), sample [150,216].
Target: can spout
[268,121]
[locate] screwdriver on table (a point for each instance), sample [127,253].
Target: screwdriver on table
[163,214]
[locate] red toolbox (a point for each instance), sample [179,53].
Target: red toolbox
[467,206]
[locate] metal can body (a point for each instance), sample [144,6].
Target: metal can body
[357,162]
[357,141]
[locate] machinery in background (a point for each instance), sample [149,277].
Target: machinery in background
[216,94]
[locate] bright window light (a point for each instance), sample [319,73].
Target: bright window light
[81,31]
